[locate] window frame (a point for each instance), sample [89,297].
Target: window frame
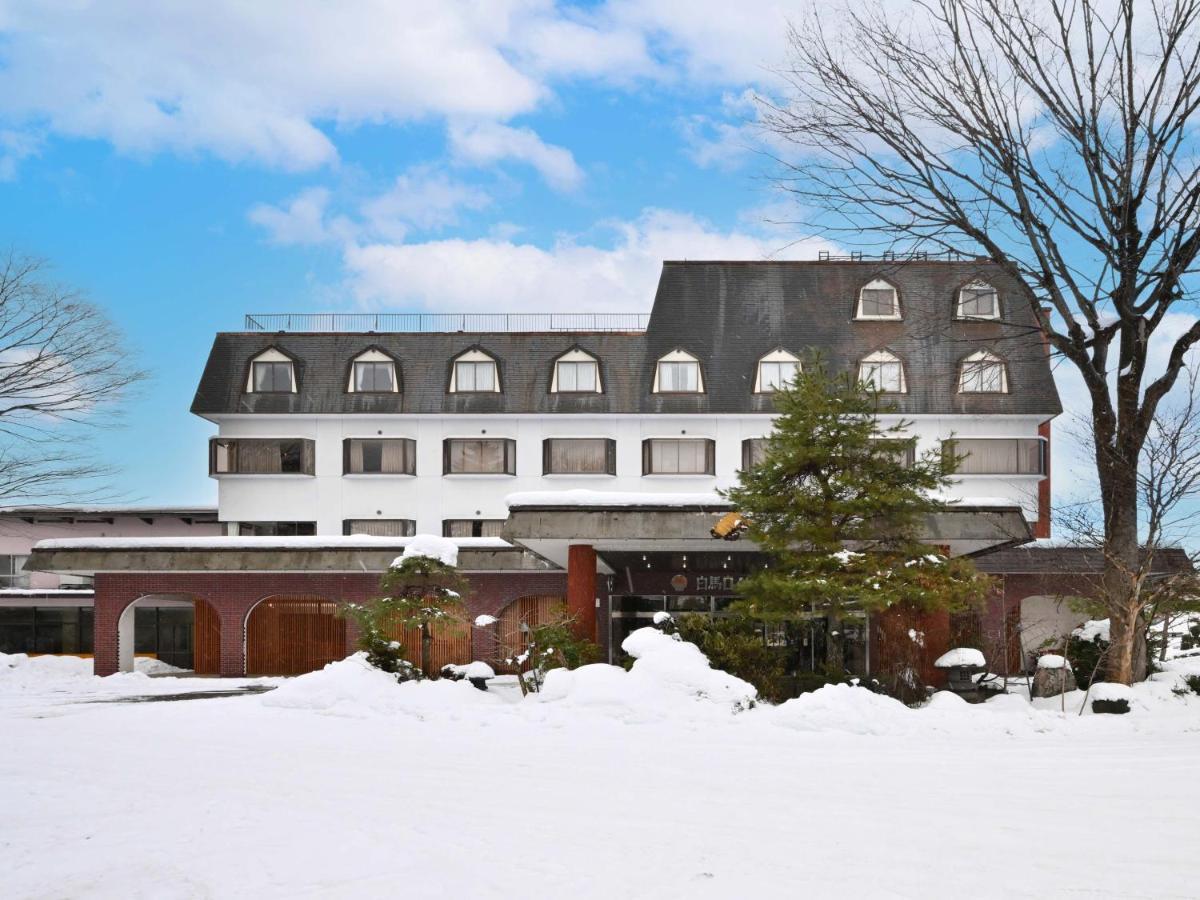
[872,285]
[710,454]
[308,453]
[362,360]
[474,356]
[892,358]
[975,285]
[610,455]
[275,364]
[679,356]
[409,528]
[978,359]
[302,529]
[950,452]
[409,452]
[476,525]
[748,450]
[509,456]
[776,357]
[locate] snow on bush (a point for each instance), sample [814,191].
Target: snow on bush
[1110,690]
[431,545]
[1092,629]
[474,669]
[485,620]
[843,707]
[353,687]
[668,677]
[1053,661]
[960,656]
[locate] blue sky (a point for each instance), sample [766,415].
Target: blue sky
[186,164]
[186,167]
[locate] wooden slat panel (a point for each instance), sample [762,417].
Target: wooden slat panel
[293,634]
[451,644]
[206,639]
[532,611]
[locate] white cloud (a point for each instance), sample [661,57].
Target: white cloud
[14,147]
[422,198]
[487,143]
[499,274]
[302,221]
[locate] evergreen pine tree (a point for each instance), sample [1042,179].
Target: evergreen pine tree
[421,594]
[838,507]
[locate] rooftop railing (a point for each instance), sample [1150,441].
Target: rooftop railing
[446,322]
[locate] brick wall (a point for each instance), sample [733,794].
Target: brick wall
[233,594]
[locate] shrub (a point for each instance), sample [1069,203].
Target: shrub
[1084,657]
[735,645]
[1193,681]
[553,645]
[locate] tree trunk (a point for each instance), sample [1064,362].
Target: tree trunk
[1120,582]
[426,650]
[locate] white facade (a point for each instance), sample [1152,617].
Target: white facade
[329,497]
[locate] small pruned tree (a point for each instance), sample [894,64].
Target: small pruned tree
[63,369]
[422,594]
[839,503]
[553,644]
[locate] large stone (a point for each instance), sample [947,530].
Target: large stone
[1052,682]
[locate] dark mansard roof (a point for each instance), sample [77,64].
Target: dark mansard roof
[727,314]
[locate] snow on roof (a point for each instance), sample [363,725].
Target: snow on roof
[1005,502]
[960,656]
[222,542]
[46,592]
[586,498]
[112,510]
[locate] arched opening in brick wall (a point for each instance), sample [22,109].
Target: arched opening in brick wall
[180,630]
[290,634]
[516,620]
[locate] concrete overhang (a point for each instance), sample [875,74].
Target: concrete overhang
[550,529]
[90,560]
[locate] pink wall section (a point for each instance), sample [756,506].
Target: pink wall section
[18,536]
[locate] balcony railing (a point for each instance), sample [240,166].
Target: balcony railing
[446,322]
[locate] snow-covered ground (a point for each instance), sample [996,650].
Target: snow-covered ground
[646,784]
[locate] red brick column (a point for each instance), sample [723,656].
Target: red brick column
[581,588]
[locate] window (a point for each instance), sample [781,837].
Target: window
[882,371]
[878,300]
[579,456]
[754,452]
[380,527]
[474,372]
[576,373]
[271,372]
[11,575]
[373,377]
[995,456]
[983,373]
[775,370]
[272,377]
[678,373]
[379,456]
[46,629]
[261,456]
[978,300]
[460,528]
[277,529]
[473,456]
[678,456]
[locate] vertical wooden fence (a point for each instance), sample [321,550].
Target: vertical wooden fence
[529,612]
[206,639]
[293,634]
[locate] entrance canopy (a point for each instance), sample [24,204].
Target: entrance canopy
[617,524]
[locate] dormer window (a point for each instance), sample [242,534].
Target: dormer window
[474,372]
[776,370]
[878,300]
[373,372]
[678,373]
[983,373]
[882,371]
[978,300]
[271,372]
[576,372]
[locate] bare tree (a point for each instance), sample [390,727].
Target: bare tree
[1056,139]
[62,368]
